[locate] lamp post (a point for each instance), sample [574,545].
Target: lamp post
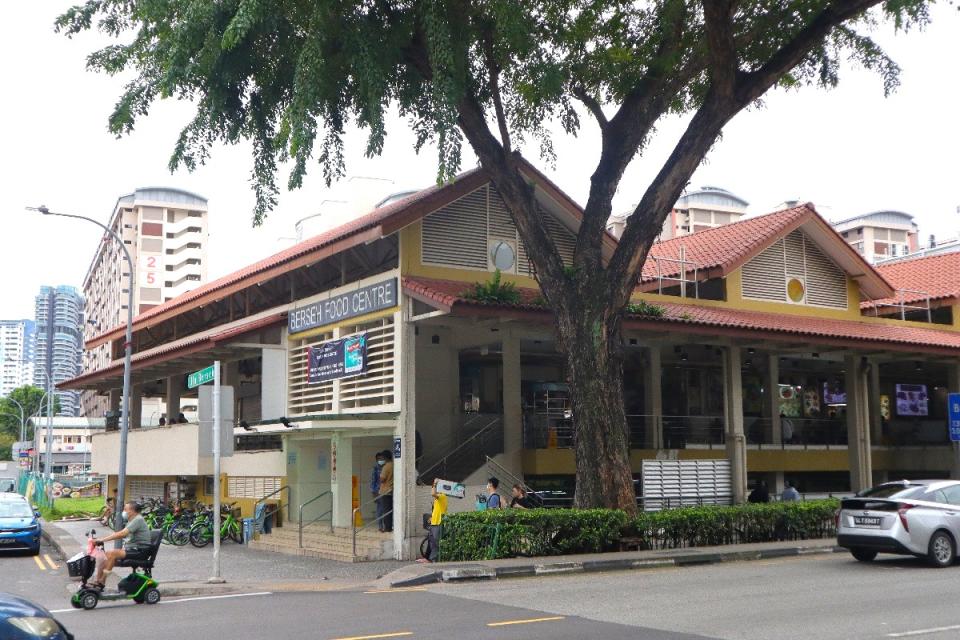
[127,346]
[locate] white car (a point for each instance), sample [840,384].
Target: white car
[916,517]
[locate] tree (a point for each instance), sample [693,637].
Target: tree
[290,75]
[32,400]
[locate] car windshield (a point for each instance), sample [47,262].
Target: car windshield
[15,509]
[895,491]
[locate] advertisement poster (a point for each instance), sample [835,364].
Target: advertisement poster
[789,401]
[337,359]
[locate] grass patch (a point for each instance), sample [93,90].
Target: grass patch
[72,508]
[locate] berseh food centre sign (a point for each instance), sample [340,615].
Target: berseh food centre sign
[363,300]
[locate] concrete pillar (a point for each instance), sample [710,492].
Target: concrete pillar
[405,529]
[512,410]
[953,386]
[341,476]
[873,400]
[114,398]
[733,413]
[858,424]
[653,400]
[172,405]
[773,398]
[136,406]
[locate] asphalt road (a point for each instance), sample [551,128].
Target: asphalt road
[829,597]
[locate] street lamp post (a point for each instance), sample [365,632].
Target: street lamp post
[128,347]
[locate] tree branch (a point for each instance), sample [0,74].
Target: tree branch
[593,105]
[494,71]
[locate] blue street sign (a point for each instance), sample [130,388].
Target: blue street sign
[953,415]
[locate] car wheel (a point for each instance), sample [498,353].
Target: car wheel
[941,551]
[863,555]
[35,551]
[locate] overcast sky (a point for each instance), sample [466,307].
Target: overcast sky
[849,151]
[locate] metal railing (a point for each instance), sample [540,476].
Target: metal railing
[503,473]
[683,267]
[353,521]
[679,432]
[469,453]
[277,506]
[903,307]
[539,434]
[328,512]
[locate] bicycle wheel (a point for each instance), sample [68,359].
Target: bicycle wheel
[425,548]
[179,535]
[200,535]
[235,531]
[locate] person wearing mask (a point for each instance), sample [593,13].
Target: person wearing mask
[375,487]
[137,544]
[436,523]
[790,493]
[493,498]
[385,495]
[520,499]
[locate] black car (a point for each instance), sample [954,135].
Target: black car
[22,620]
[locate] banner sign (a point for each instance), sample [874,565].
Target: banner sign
[367,299]
[337,359]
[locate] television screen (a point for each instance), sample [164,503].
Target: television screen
[912,400]
[833,394]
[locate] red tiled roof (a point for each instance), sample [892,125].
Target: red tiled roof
[170,350]
[724,247]
[937,276]
[449,295]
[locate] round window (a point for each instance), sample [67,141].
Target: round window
[502,256]
[795,290]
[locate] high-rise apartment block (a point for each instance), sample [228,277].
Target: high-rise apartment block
[698,210]
[165,231]
[880,235]
[58,345]
[16,354]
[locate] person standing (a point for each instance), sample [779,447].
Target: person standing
[379,461]
[760,493]
[436,523]
[385,495]
[520,499]
[493,498]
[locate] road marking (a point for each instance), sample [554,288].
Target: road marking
[923,632]
[527,621]
[39,564]
[398,634]
[223,597]
[53,565]
[398,590]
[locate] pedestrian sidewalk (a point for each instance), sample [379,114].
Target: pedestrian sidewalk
[421,574]
[184,570]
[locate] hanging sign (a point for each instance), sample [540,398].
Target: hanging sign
[337,359]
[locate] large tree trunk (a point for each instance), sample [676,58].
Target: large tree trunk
[589,333]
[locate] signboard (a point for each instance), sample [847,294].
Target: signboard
[205,416]
[367,299]
[198,378]
[953,415]
[397,447]
[337,359]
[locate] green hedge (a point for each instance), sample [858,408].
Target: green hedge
[485,535]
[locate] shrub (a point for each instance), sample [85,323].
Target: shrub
[486,535]
[494,291]
[644,308]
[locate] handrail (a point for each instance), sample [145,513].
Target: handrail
[300,515]
[501,470]
[481,432]
[353,520]
[263,500]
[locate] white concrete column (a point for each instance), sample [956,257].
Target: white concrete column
[733,413]
[405,528]
[953,386]
[341,476]
[512,410]
[873,399]
[653,400]
[174,388]
[136,407]
[858,424]
[773,398]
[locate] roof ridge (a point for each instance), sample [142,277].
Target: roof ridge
[743,221]
[909,259]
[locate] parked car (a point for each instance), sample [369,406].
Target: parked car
[917,517]
[20,619]
[19,524]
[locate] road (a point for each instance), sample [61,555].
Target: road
[828,597]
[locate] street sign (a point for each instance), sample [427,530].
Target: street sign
[205,418]
[198,378]
[953,415]
[397,447]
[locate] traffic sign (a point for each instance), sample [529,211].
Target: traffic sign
[198,378]
[953,415]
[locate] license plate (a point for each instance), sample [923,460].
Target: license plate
[866,521]
[7,540]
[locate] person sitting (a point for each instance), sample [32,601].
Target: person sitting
[137,545]
[760,493]
[520,498]
[790,493]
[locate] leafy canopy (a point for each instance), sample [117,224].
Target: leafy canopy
[291,75]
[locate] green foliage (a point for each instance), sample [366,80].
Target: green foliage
[483,535]
[72,508]
[32,400]
[644,308]
[494,291]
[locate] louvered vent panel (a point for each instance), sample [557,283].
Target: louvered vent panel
[675,483]
[565,241]
[793,254]
[826,282]
[500,225]
[763,277]
[456,235]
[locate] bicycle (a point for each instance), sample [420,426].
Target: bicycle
[201,533]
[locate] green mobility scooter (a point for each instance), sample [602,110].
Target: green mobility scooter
[139,586]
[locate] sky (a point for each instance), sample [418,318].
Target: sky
[849,151]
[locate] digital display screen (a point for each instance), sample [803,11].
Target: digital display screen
[912,400]
[833,394]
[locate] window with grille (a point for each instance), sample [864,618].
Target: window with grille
[256,487]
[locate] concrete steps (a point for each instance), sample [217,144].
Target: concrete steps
[320,542]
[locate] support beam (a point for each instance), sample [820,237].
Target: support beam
[174,389]
[873,399]
[953,386]
[773,398]
[341,476]
[858,424]
[653,400]
[405,529]
[512,411]
[136,407]
[733,413]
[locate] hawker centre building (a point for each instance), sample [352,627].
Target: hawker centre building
[779,350]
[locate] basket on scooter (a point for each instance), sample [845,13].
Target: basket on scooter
[80,566]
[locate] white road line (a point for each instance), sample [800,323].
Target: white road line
[923,632]
[223,597]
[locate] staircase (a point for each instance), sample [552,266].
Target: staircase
[320,542]
[485,439]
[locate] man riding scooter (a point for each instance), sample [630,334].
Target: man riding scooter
[137,545]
